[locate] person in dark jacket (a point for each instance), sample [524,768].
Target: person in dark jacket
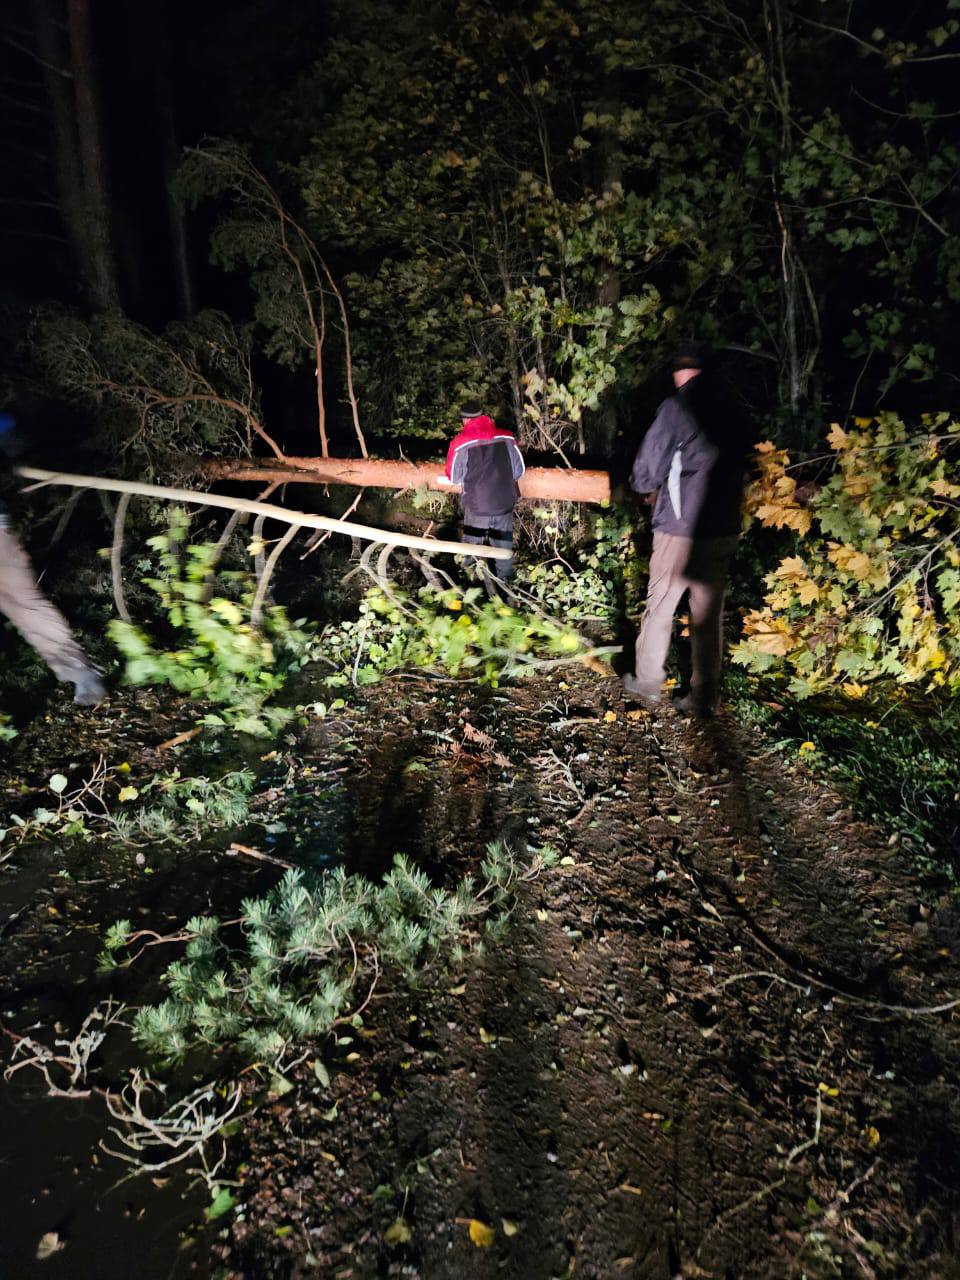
[37,619]
[487,463]
[693,458]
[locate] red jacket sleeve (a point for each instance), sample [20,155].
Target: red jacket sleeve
[450,452]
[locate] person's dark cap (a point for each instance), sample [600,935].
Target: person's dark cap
[471,409]
[694,355]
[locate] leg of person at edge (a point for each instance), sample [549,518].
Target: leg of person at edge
[487,463]
[37,619]
[692,461]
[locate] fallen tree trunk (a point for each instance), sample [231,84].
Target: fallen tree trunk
[367,533]
[567,485]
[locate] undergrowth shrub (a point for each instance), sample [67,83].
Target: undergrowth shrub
[872,590]
[312,949]
[454,631]
[897,763]
[222,657]
[184,808]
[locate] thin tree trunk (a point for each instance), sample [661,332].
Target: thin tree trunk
[58,83]
[610,286]
[101,267]
[170,152]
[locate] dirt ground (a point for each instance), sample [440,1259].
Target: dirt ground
[719,1042]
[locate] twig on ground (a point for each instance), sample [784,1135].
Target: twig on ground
[247,852]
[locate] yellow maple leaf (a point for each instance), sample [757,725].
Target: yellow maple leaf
[850,560]
[792,567]
[808,592]
[609,717]
[944,489]
[481,1234]
[768,634]
[836,437]
[854,690]
[766,446]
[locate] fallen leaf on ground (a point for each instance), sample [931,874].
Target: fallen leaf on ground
[509,1228]
[399,1233]
[50,1243]
[481,1234]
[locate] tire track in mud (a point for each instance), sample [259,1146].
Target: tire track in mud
[642,1079]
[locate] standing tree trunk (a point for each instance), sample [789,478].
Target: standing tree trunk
[170,159]
[98,262]
[611,186]
[58,83]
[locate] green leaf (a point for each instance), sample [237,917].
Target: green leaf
[221,1203]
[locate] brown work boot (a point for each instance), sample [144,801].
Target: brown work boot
[691,705]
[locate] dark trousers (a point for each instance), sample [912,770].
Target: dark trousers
[497,531]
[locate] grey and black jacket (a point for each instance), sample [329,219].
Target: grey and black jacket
[694,455]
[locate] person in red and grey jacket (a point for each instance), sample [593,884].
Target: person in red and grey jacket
[487,463]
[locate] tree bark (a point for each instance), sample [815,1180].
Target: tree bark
[610,284]
[170,155]
[559,483]
[100,267]
[58,84]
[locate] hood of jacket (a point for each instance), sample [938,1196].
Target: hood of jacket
[480,428]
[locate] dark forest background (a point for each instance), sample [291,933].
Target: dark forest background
[527,202]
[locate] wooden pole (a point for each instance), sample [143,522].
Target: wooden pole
[560,483]
[367,533]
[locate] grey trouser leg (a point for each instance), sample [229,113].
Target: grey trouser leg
[677,566]
[495,530]
[37,619]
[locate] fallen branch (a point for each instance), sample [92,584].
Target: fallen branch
[382,537]
[248,852]
[559,483]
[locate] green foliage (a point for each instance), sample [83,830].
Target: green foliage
[104,804]
[898,763]
[225,659]
[178,808]
[531,223]
[874,591]
[7,731]
[159,398]
[593,581]
[453,631]
[308,950]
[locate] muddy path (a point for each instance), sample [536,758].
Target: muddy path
[704,1048]
[701,1052]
